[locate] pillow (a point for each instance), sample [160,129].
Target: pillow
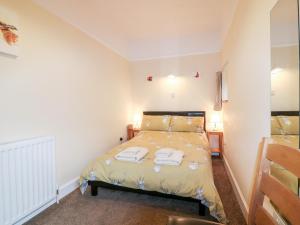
[161,123]
[186,123]
[289,124]
[275,126]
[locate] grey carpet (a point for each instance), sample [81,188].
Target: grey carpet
[116,207]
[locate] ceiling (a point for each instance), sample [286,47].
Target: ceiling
[284,23]
[143,29]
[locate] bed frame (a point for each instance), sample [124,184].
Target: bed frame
[202,208]
[285,113]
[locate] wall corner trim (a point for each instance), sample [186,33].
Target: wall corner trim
[68,187]
[237,191]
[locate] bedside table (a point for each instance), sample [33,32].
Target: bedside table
[131,132]
[216,142]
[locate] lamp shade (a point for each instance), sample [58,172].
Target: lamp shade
[215,118]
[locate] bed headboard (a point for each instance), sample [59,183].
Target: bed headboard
[178,113]
[285,113]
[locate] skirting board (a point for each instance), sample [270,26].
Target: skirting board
[237,191]
[64,190]
[36,212]
[67,188]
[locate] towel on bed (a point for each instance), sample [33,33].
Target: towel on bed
[168,156]
[132,154]
[164,152]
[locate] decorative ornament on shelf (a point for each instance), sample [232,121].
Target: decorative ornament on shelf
[197,75]
[149,78]
[9,36]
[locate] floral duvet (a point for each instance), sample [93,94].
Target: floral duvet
[193,178]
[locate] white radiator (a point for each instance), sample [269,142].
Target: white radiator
[27,179]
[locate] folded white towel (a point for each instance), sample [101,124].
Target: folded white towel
[174,160]
[164,152]
[132,154]
[168,156]
[167,152]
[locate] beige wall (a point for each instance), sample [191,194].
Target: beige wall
[247,114]
[63,84]
[285,78]
[68,85]
[183,93]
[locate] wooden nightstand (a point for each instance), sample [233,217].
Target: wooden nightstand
[131,132]
[216,142]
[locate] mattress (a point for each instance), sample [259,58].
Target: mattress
[283,175]
[288,140]
[193,178]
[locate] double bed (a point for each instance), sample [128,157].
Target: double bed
[192,180]
[285,131]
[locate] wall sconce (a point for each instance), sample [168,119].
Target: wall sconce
[276,71]
[172,80]
[171,77]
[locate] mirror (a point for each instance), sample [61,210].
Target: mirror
[285,73]
[285,83]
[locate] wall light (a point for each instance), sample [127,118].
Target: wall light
[276,71]
[171,77]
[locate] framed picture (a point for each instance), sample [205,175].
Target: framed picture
[9,36]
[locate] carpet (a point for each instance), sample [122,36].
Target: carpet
[116,207]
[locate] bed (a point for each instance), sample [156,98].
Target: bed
[285,131]
[192,180]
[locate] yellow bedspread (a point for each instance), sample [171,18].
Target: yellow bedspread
[288,140]
[283,175]
[193,178]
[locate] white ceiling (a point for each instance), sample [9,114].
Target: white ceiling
[284,23]
[140,29]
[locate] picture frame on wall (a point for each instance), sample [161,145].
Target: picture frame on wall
[9,33]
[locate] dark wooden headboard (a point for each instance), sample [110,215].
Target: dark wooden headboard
[178,113]
[285,113]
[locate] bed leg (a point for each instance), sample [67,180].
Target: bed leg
[201,209]
[94,189]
